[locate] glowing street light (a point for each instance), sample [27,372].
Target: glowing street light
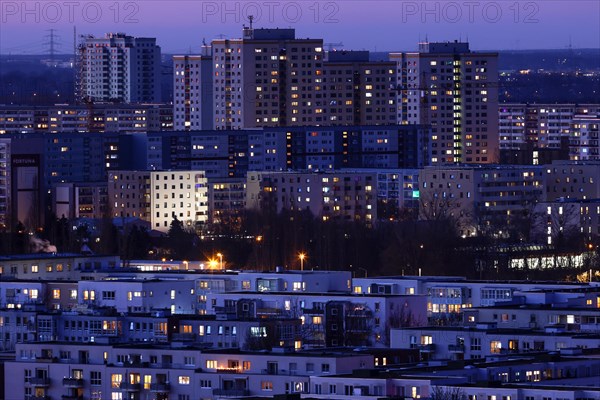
[302,256]
[220,255]
[213,263]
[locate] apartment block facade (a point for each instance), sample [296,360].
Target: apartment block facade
[584,142]
[342,195]
[267,78]
[455,90]
[97,371]
[571,180]
[359,91]
[226,200]
[233,154]
[80,200]
[192,92]
[563,220]
[543,125]
[479,197]
[83,119]
[118,68]
[5,183]
[159,197]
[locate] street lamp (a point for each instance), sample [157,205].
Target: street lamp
[220,255]
[302,256]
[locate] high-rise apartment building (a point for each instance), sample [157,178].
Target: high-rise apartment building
[267,78]
[192,91]
[118,68]
[359,91]
[454,90]
[5,178]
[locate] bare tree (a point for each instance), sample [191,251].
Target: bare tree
[563,221]
[447,393]
[438,206]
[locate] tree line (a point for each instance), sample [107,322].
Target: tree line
[265,238]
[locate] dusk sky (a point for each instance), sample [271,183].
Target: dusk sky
[373,25]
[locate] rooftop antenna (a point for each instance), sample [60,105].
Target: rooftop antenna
[205,48]
[250,19]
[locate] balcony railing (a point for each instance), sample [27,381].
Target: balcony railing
[39,382]
[456,348]
[160,387]
[231,392]
[72,382]
[188,337]
[232,370]
[427,348]
[71,397]
[269,311]
[318,311]
[130,387]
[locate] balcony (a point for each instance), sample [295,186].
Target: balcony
[225,310]
[45,359]
[269,311]
[590,327]
[130,387]
[427,348]
[184,337]
[72,383]
[39,382]
[313,311]
[231,392]
[71,397]
[160,387]
[230,370]
[456,348]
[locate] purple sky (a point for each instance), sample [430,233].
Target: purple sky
[373,25]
